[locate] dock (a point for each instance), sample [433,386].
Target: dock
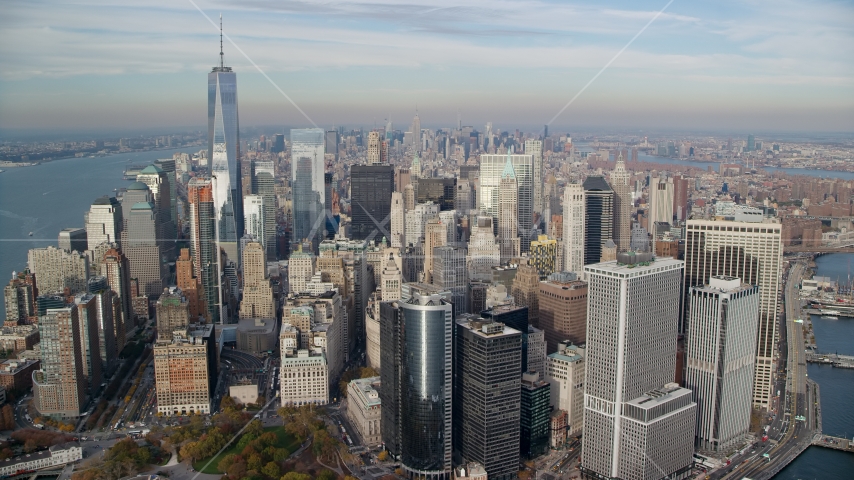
[835,443]
[834,359]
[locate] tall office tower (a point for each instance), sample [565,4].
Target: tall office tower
[300,271]
[426,386]
[416,219]
[254,218]
[640,238]
[391,281]
[486,394]
[56,270]
[224,155]
[492,168]
[185,372]
[169,169]
[203,247]
[264,185]
[391,356]
[753,252]
[374,147]
[59,387]
[74,239]
[536,351]
[19,296]
[508,220]
[535,415]
[661,201]
[441,190]
[188,283]
[158,184]
[103,222]
[534,148]
[307,170]
[108,307]
[720,355]
[563,310]
[408,198]
[544,255]
[450,273]
[435,235]
[90,349]
[257,292]
[622,204]
[565,373]
[304,377]
[416,133]
[526,290]
[599,217]
[397,221]
[143,251]
[278,143]
[331,145]
[631,351]
[172,312]
[114,266]
[333,217]
[574,219]
[751,143]
[483,251]
[680,198]
[371,187]
[463,198]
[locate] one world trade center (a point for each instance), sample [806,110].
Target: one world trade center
[224,155]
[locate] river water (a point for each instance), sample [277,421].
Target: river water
[836,385]
[46,198]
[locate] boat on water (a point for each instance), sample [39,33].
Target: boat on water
[829,317]
[831,312]
[31,234]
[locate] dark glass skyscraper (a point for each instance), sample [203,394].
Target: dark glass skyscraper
[599,224]
[371,187]
[224,155]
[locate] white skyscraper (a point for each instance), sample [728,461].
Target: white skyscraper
[492,168]
[103,222]
[254,219]
[508,220]
[416,219]
[753,252]
[565,373]
[483,251]
[307,181]
[660,202]
[619,181]
[632,315]
[574,205]
[397,221]
[721,352]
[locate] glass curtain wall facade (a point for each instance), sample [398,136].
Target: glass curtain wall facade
[371,187]
[224,156]
[491,168]
[599,222]
[307,181]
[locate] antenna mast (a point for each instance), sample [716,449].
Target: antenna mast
[221,60]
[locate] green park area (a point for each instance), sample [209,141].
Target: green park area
[273,445]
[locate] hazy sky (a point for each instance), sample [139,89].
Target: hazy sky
[746,64]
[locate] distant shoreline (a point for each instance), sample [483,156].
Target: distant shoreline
[10,164]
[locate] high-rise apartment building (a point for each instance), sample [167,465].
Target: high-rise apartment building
[753,252]
[450,273]
[397,221]
[660,201]
[56,270]
[525,291]
[631,361]
[224,155]
[435,235]
[304,377]
[563,310]
[565,373]
[300,271]
[486,394]
[257,293]
[90,349]
[391,281]
[371,188]
[185,372]
[264,185]
[188,283]
[114,266]
[492,168]
[622,204]
[599,217]
[544,255]
[108,307]
[508,220]
[103,222]
[375,146]
[19,297]
[143,250]
[307,181]
[483,250]
[720,356]
[59,387]
[574,221]
[203,247]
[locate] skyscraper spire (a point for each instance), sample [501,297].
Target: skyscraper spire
[221,59]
